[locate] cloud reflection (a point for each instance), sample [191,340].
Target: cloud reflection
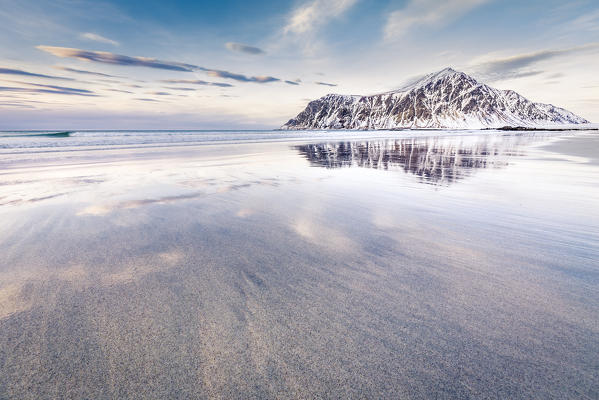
[103,209]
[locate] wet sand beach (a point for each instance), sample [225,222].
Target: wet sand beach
[402,265]
[584,146]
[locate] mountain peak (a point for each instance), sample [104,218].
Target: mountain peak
[447,73]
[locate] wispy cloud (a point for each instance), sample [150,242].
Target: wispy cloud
[84,72]
[111,81]
[325,84]
[587,22]
[118,90]
[98,38]
[12,104]
[292,82]
[556,75]
[502,68]
[238,77]
[197,82]
[430,13]
[159,93]
[244,48]
[311,15]
[302,29]
[61,88]
[50,91]
[118,59]
[11,71]
[186,89]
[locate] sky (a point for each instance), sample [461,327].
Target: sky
[152,64]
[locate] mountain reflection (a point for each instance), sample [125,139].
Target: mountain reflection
[438,161]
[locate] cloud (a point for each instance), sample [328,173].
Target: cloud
[98,38]
[523,74]
[325,84]
[146,99]
[109,81]
[244,48]
[159,93]
[431,13]
[556,75]
[188,89]
[589,21]
[20,105]
[311,15]
[502,68]
[80,71]
[292,82]
[51,91]
[197,82]
[118,90]
[238,77]
[10,71]
[118,59]
[62,88]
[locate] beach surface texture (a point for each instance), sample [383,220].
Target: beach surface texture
[266,264]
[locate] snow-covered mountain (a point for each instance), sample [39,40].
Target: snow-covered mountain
[445,99]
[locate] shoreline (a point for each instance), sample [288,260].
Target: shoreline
[503,128]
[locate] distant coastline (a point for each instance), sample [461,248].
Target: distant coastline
[503,128]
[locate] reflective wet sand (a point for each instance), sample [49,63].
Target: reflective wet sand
[428,267]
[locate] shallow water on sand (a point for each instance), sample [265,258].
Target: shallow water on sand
[401,265]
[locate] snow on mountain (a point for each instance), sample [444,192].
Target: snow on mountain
[445,99]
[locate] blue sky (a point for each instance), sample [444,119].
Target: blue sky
[76,64]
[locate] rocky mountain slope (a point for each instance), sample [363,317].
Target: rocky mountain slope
[445,99]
